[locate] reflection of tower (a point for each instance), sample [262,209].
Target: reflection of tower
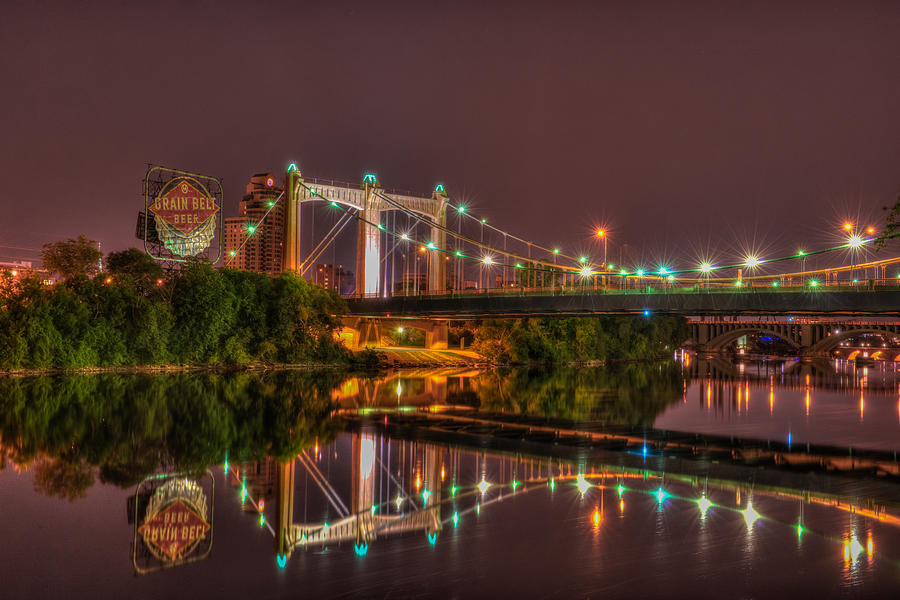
[363,484]
[285,509]
[433,480]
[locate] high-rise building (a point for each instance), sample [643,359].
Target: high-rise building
[264,246]
[334,278]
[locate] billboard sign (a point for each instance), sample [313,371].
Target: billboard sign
[186,211]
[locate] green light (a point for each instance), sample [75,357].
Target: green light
[333,203]
[552,485]
[432,538]
[774,284]
[661,495]
[801,253]
[243,491]
[461,208]
[292,167]
[370,178]
[361,549]
[478,509]
[813,283]
[439,188]
[519,266]
[262,520]
[232,253]
[458,253]
[251,228]
[381,227]
[373,509]
[271,204]
[704,505]
[583,259]
[610,266]
[623,272]
[620,489]
[453,490]
[430,245]
[514,484]
[799,530]
[225,466]
[556,251]
[483,221]
[671,278]
[640,272]
[455,519]
[738,283]
[750,515]
[281,559]
[425,495]
[856,281]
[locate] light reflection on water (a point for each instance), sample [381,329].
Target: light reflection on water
[450,518]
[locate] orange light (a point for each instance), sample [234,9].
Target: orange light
[597,517]
[262,505]
[870,230]
[159,282]
[109,280]
[848,226]
[14,273]
[421,248]
[601,233]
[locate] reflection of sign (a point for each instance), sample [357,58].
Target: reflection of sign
[176,526]
[184,213]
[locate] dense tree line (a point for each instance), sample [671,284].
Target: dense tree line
[133,314]
[576,339]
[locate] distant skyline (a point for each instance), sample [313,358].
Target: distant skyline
[679,127]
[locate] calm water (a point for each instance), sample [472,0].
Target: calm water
[454,483]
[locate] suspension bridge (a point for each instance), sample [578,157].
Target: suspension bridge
[414,268]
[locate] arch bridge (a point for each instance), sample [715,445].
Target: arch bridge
[808,338]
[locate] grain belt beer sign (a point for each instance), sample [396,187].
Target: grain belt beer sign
[173,523]
[186,209]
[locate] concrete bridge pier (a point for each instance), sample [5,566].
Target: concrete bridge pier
[361,333]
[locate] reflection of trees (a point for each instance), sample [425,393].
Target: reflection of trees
[129,426]
[620,394]
[64,477]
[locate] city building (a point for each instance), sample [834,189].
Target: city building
[254,243]
[333,278]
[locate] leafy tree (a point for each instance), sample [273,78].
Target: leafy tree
[72,258]
[136,265]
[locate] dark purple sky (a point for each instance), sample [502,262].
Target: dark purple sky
[682,125]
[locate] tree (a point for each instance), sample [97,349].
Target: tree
[73,258]
[892,225]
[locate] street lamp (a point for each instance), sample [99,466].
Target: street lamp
[601,233]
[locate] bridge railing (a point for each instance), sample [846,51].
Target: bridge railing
[746,287]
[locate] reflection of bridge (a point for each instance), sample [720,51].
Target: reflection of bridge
[362,522]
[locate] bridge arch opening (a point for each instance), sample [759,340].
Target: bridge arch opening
[757,339]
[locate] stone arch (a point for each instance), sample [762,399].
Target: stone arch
[833,341]
[724,339]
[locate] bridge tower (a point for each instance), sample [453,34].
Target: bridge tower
[370,201]
[291,252]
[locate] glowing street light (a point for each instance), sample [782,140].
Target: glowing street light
[705,268]
[483,486]
[752,261]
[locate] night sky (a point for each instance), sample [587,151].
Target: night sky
[681,126]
